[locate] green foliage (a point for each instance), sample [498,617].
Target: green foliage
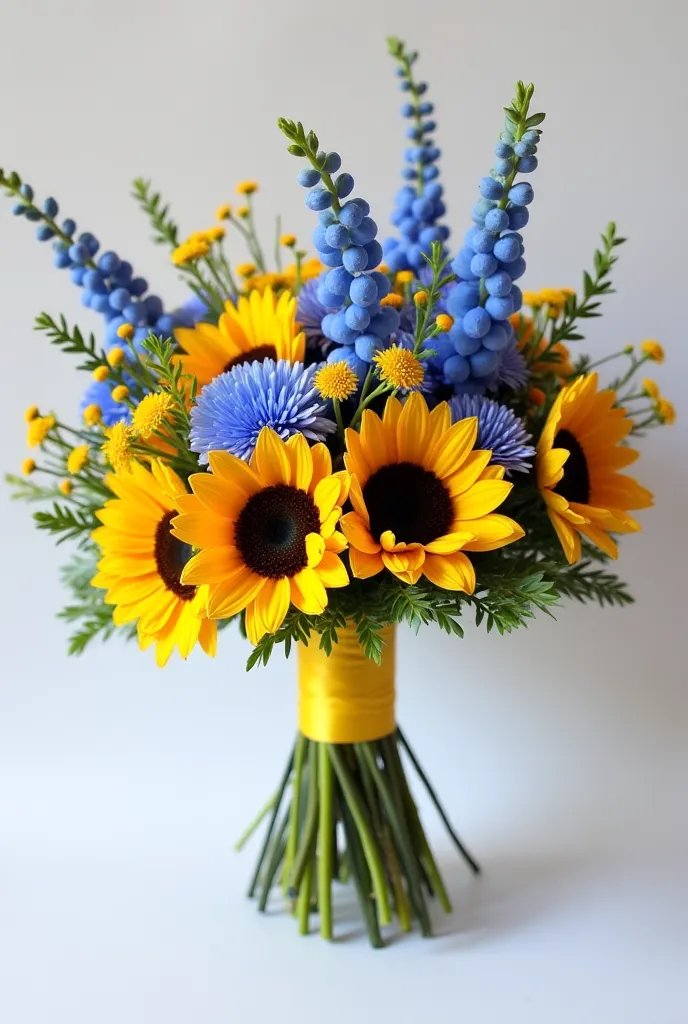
[71,341]
[88,609]
[595,287]
[67,523]
[165,231]
[583,583]
[517,118]
[26,490]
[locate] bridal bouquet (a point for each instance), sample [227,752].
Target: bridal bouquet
[321,448]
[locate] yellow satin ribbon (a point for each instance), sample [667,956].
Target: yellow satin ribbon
[346,698]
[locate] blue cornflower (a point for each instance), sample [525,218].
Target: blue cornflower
[512,371]
[499,431]
[100,394]
[231,411]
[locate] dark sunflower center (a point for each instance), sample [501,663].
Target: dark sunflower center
[408,500]
[171,555]
[271,530]
[575,483]
[254,355]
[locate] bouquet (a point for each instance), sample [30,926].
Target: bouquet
[384,433]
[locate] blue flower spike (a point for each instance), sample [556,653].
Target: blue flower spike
[346,240]
[491,260]
[418,204]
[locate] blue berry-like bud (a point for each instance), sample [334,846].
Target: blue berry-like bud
[365,232]
[421,88]
[430,235]
[123,274]
[109,263]
[413,133]
[461,264]
[433,191]
[337,236]
[409,227]
[318,199]
[331,259]
[497,338]
[422,208]
[78,253]
[119,298]
[503,150]
[165,325]
[523,148]
[100,302]
[507,249]
[457,369]
[499,308]
[428,127]
[27,192]
[338,329]
[90,241]
[327,217]
[521,194]
[308,177]
[425,108]
[518,217]
[94,281]
[483,363]
[498,284]
[86,297]
[527,164]
[531,137]
[319,239]
[476,322]
[50,207]
[44,233]
[409,173]
[69,226]
[330,300]
[333,162]
[134,313]
[61,259]
[33,215]
[77,275]
[517,296]
[517,268]
[403,199]
[357,317]
[503,167]
[430,173]
[374,252]
[385,322]
[366,346]
[463,344]
[338,281]
[405,86]
[508,138]
[18,209]
[139,286]
[364,291]
[396,217]
[344,184]
[407,110]
[483,241]
[153,307]
[496,221]
[355,259]
[483,264]
[382,283]
[491,189]
[350,215]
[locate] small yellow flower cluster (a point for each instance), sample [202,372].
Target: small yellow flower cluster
[336,380]
[38,430]
[92,415]
[77,459]
[399,367]
[247,188]
[150,414]
[31,413]
[246,269]
[286,279]
[288,241]
[197,246]
[118,446]
[392,299]
[120,393]
[223,212]
[28,466]
[653,350]
[101,373]
[117,355]
[553,298]
[663,407]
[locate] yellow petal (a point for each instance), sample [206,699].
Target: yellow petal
[550,467]
[202,529]
[237,472]
[315,548]
[363,564]
[491,532]
[272,604]
[473,467]
[454,446]
[308,592]
[449,543]
[568,537]
[218,496]
[337,543]
[493,472]
[355,458]
[357,500]
[409,560]
[234,594]
[412,429]
[375,441]
[326,495]
[331,570]
[601,539]
[329,524]
[212,565]
[186,633]
[301,461]
[207,637]
[439,423]
[452,572]
[270,459]
[322,464]
[357,533]
[483,497]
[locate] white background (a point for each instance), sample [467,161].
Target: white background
[560,752]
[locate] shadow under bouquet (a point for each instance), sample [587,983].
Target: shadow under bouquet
[387,433]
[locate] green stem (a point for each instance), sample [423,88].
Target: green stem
[338,416]
[259,818]
[278,247]
[304,901]
[271,825]
[274,861]
[255,243]
[310,829]
[295,809]
[326,819]
[361,876]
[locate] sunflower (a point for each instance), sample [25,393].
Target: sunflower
[260,326]
[578,458]
[141,563]
[266,531]
[422,496]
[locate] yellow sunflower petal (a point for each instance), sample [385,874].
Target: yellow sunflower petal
[300,460]
[454,446]
[492,532]
[375,441]
[326,495]
[315,549]
[308,592]
[270,459]
[322,464]
[202,529]
[412,427]
[337,543]
[217,495]
[364,564]
[482,498]
[551,466]
[472,468]
[355,459]
[234,594]
[271,606]
[449,543]
[356,531]
[331,570]
[237,472]
[568,537]
[212,565]
[329,524]
[601,539]
[207,637]
[452,572]
[357,500]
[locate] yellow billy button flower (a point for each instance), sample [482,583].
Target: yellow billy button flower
[243,211]
[420,298]
[422,496]
[266,531]
[666,411]
[399,367]
[247,188]
[288,241]
[653,350]
[78,458]
[404,277]
[117,355]
[190,251]
[92,415]
[444,321]
[118,446]
[151,412]
[532,299]
[216,234]
[120,393]
[38,430]
[101,373]
[66,487]
[31,413]
[392,299]
[125,332]
[578,457]
[28,466]
[336,380]
[246,269]
[223,212]
[651,388]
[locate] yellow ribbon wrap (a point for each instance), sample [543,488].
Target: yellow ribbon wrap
[346,698]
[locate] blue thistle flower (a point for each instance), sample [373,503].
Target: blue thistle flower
[231,411]
[499,431]
[309,313]
[512,371]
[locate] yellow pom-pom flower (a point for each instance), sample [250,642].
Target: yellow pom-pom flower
[116,355]
[420,298]
[39,428]
[246,269]
[404,277]
[243,211]
[532,299]
[247,188]
[190,251]
[120,393]
[78,458]
[216,234]
[125,332]
[151,413]
[92,415]
[394,300]
[223,212]
[444,321]
[288,241]
[399,367]
[666,411]
[653,350]
[101,373]
[651,388]
[28,466]
[66,487]
[118,446]
[336,380]
[31,413]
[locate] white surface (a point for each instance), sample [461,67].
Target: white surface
[560,752]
